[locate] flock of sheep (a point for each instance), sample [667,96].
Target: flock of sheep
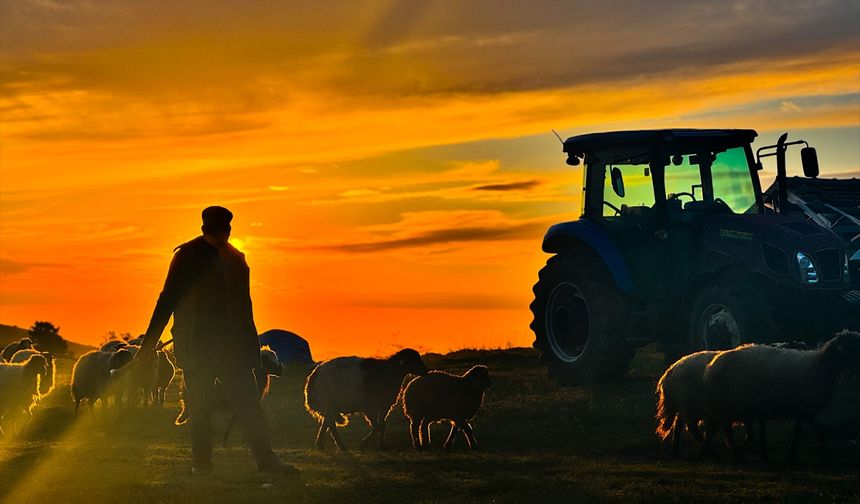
[706,391]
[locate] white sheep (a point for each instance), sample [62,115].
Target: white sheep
[91,376]
[440,396]
[46,384]
[19,388]
[761,383]
[680,403]
[347,385]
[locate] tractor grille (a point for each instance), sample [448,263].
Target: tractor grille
[828,261]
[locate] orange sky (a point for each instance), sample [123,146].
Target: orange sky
[389,163]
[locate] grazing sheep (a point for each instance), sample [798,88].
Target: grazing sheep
[345,385]
[761,383]
[19,388]
[113,346]
[91,376]
[165,371]
[140,376]
[439,396]
[680,403]
[10,349]
[271,366]
[46,384]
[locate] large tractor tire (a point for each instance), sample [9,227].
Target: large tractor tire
[580,320]
[729,313]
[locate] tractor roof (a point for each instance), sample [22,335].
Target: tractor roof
[623,139]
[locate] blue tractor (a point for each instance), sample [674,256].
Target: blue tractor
[676,244]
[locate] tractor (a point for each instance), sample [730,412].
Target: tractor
[677,245]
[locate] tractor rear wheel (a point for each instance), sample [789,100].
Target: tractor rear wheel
[729,313]
[580,320]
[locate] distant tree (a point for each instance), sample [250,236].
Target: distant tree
[46,337]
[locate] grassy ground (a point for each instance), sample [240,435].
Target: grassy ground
[539,442]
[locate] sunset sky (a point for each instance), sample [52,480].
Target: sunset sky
[390,163]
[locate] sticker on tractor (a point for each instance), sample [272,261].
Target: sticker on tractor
[735,235]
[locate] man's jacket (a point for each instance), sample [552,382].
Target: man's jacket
[207,291]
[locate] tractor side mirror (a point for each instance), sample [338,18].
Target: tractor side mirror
[617,181]
[809,159]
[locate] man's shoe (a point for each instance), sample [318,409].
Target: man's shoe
[201,469]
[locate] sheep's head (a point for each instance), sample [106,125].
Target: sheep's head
[271,363]
[479,376]
[845,349]
[120,358]
[409,361]
[25,343]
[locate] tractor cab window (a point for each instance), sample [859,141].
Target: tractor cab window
[628,187]
[732,180]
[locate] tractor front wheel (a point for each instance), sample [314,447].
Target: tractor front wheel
[580,320]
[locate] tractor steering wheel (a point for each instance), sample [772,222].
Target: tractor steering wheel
[679,194]
[610,205]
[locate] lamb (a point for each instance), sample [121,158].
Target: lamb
[271,366]
[10,349]
[346,385]
[761,383]
[46,384]
[441,396]
[19,388]
[92,375]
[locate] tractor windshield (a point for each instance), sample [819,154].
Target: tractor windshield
[693,181]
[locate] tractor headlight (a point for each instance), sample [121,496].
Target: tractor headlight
[808,274]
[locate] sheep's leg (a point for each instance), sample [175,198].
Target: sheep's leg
[380,422]
[424,428]
[374,425]
[320,442]
[470,436]
[77,405]
[449,442]
[693,428]
[819,429]
[762,434]
[415,433]
[711,430]
[226,437]
[332,430]
[798,428]
[732,443]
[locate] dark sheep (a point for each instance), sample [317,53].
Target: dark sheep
[441,396]
[92,375]
[345,385]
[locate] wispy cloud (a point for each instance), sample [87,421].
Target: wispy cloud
[509,186]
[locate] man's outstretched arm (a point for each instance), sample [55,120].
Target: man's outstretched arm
[178,278]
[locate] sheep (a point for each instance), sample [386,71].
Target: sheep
[761,383]
[440,396]
[141,375]
[10,349]
[46,384]
[92,375]
[344,385]
[113,345]
[19,387]
[165,371]
[271,366]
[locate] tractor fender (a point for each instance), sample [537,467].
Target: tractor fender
[559,237]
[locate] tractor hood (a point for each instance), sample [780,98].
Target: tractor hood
[769,244]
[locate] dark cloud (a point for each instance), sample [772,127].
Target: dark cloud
[442,236]
[511,186]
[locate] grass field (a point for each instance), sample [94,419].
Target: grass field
[539,442]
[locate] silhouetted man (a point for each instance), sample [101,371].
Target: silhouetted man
[208,293]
